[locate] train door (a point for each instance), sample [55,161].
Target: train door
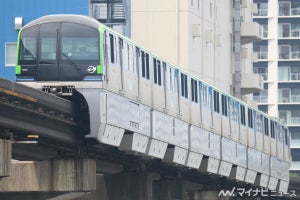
[206,99]
[184,97]
[48,65]
[157,85]
[234,119]
[113,70]
[225,116]
[171,103]
[273,130]
[216,112]
[251,125]
[280,139]
[129,71]
[266,136]
[243,127]
[195,109]
[259,131]
[145,78]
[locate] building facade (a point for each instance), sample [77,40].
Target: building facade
[205,37]
[279,63]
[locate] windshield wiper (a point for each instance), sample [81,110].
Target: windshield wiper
[71,61]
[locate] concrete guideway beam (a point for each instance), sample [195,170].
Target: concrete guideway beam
[5,158]
[51,176]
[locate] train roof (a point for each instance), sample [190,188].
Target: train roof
[79,19]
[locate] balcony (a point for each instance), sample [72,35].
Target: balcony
[290,99]
[261,99]
[251,83]
[289,56]
[251,32]
[295,143]
[289,9]
[295,166]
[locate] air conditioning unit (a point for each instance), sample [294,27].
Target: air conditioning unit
[209,36]
[254,9]
[254,57]
[196,30]
[244,53]
[219,40]
[244,3]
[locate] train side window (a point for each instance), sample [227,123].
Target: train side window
[266,124]
[204,94]
[286,137]
[171,79]
[233,109]
[272,129]
[112,48]
[216,102]
[147,66]
[242,113]
[184,92]
[224,105]
[143,64]
[258,122]
[250,118]
[157,71]
[194,90]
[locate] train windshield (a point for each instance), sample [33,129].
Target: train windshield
[28,44]
[59,51]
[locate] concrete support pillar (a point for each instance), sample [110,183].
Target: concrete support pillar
[51,176]
[5,158]
[130,186]
[208,195]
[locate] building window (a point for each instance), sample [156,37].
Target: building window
[10,54]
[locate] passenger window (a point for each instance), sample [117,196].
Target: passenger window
[250,118]
[131,63]
[216,102]
[272,124]
[286,137]
[204,94]
[243,116]
[184,92]
[258,122]
[194,90]
[279,135]
[233,109]
[171,79]
[157,71]
[145,65]
[224,105]
[112,48]
[266,124]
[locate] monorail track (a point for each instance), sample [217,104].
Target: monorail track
[27,111]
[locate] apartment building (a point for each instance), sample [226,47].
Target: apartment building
[278,61]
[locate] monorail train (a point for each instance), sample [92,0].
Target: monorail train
[173,115]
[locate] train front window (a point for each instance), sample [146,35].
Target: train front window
[49,36]
[28,46]
[79,45]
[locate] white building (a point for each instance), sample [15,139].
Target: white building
[279,63]
[209,38]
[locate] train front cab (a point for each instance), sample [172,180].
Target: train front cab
[49,51]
